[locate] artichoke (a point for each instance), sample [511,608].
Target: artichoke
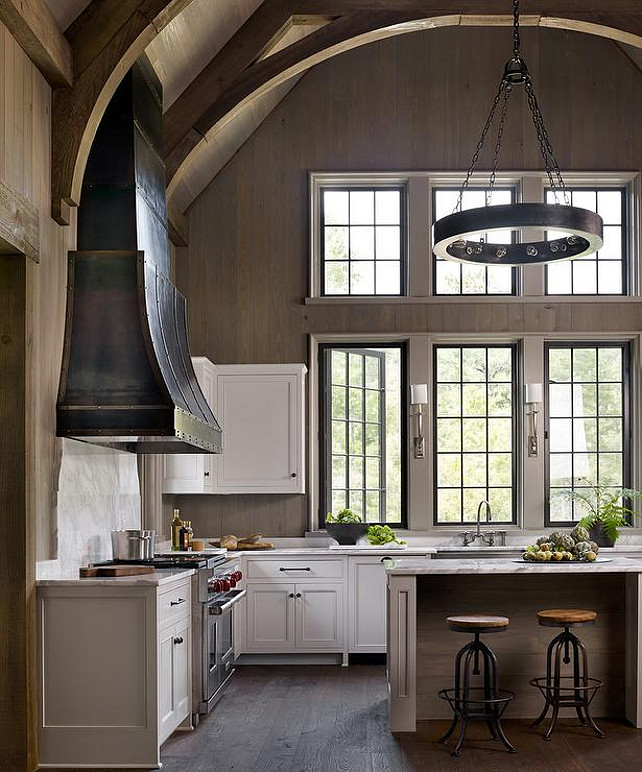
[594,547]
[581,548]
[542,540]
[556,537]
[580,534]
[566,543]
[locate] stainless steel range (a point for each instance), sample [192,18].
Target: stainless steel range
[216,589]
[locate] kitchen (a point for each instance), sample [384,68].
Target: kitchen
[273,153]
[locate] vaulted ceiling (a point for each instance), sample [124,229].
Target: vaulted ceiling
[225,64]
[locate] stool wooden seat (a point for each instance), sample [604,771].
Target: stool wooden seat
[566,617]
[477,623]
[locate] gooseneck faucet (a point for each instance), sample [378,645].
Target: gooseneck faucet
[486,538]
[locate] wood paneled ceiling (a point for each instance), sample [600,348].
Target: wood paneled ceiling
[225,64]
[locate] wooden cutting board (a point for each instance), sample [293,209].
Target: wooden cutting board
[98,571]
[254,545]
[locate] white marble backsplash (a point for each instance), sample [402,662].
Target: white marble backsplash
[98,491]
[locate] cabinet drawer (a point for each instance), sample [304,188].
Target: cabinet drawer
[175,603]
[294,570]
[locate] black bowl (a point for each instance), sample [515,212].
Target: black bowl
[346,533]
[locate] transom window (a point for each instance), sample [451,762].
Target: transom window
[362,240]
[453,278]
[363,437]
[603,272]
[587,413]
[475,432]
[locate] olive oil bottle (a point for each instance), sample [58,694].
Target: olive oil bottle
[177,524]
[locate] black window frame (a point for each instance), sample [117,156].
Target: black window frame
[626,242]
[625,346]
[402,187]
[325,412]
[515,274]
[515,348]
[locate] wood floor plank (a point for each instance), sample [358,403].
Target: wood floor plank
[330,719]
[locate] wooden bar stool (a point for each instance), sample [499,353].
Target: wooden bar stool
[482,703]
[567,691]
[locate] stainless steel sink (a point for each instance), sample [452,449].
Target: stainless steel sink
[479,553]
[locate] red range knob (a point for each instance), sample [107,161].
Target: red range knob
[239,575]
[232,580]
[215,585]
[225,585]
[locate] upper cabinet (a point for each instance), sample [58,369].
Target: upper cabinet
[261,410]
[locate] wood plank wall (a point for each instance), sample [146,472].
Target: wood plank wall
[409,103]
[521,649]
[33,307]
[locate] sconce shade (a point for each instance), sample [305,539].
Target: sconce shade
[534,392]
[419,394]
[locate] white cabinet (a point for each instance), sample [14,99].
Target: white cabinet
[261,409]
[367,606]
[305,614]
[114,670]
[173,677]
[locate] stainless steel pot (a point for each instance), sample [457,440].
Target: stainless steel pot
[133,544]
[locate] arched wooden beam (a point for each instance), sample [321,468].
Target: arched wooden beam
[356,29]
[106,39]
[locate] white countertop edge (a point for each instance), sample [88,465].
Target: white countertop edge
[617,565]
[160,577]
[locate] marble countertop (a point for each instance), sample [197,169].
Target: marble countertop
[160,577]
[616,565]
[347,549]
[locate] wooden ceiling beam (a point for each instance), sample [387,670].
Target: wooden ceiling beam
[559,8]
[252,79]
[106,39]
[267,23]
[32,24]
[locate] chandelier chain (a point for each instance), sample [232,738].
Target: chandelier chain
[480,144]
[498,144]
[516,36]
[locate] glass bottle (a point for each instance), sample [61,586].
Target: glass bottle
[186,534]
[176,527]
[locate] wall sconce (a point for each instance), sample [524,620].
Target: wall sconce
[418,400]
[533,399]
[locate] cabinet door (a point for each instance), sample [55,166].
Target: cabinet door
[319,616]
[181,669]
[270,613]
[367,605]
[166,702]
[262,417]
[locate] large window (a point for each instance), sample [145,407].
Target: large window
[362,240]
[603,272]
[363,443]
[475,437]
[453,278]
[587,416]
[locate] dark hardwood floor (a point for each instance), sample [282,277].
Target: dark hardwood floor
[331,719]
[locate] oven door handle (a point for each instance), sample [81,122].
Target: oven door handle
[220,607]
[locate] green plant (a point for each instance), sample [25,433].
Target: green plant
[344,516]
[382,534]
[604,505]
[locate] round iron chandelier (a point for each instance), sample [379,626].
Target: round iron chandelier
[453,235]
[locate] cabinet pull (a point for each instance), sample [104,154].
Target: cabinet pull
[298,594]
[295,569]
[207,474]
[178,640]
[177,602]
[386,557]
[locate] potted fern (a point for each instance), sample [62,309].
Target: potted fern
[605,510]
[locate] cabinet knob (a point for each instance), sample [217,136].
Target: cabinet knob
[207,474]
[291,595]
[178,640]
[293,474]
[298,594]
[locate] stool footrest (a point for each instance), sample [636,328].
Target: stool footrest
[568,690]
[470,708]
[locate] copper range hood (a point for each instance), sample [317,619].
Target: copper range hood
[127,378]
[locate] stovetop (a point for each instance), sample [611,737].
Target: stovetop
[197,560]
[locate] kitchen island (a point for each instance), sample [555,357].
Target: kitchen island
[421,648]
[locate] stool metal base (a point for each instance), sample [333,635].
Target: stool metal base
[572,691]
[485,703]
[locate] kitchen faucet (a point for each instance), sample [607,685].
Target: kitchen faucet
[485,538]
